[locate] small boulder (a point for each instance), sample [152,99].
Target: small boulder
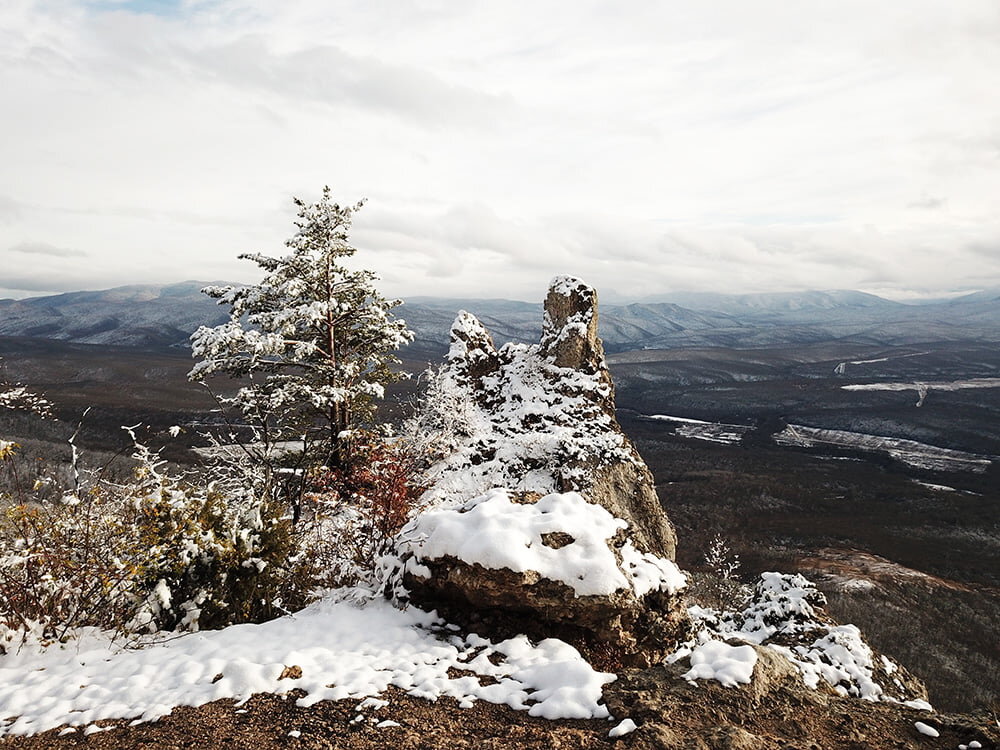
[558,558]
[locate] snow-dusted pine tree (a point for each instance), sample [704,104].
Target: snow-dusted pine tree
[313,341]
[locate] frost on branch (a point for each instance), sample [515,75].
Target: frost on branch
[154,552]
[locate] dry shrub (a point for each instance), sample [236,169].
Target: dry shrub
[359,507]
[154,553]
[718,585]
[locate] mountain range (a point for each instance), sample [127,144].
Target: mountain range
[165,315]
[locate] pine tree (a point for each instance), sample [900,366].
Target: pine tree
[313,340]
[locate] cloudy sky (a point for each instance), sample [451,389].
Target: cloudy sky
[648,147]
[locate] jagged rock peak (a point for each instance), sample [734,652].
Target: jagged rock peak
[528,435]
[470,339]
[569,331]
[541,418]
[472,351]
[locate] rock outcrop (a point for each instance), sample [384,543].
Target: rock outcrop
[785,616]
[775,710]
[541,419]
[538,422]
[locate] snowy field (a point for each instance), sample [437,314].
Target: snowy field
[713,432]
[922,389]
[342,648]
[911,452]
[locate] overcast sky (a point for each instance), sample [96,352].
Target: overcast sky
[647,147]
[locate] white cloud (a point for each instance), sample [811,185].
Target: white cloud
[9,210]
[43,248]
[650,147]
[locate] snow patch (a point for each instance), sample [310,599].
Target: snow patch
[713,432]
[344,651]
[625,726]
[495,532]
[911,452]
[784,608]
[717,660]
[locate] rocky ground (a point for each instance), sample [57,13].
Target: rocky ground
[671,713]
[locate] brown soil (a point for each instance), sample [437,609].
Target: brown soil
[773,713]
[264,722]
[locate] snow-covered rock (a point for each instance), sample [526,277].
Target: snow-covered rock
[539,504]
[540,419]
[552,559]
[785,616]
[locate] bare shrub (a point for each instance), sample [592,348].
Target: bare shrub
[358,508]
[717,584]
[157,552]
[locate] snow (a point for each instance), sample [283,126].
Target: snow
[782,616]
[841,369]
[943,385]
[840,658]
[717,660]
[714,432]
[344,650]
[647,572]
[566,285]
[495,532]
[926,729]
[626,726]
[935,487]
[911,452]
[923,388]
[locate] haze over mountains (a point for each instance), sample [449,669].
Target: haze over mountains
[155,316]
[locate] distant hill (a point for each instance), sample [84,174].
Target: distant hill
[780,303]
[142,316]
[157,316]
[986,296]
